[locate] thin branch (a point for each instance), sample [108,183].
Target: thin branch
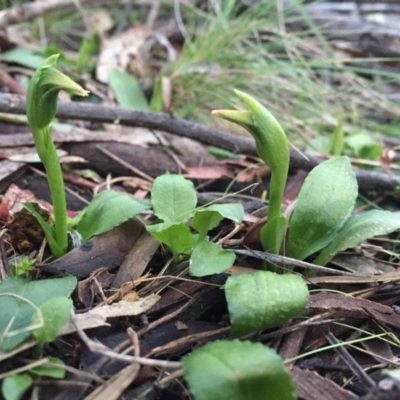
[99,348]
[286,261]
[156,121]
[12,103]
[354,366]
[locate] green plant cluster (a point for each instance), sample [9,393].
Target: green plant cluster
[322,217]
[38,310]
[322,221]
[174,201]
[108,209]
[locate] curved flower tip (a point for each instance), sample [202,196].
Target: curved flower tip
[51,76]
[46,83]
[57,80]
[271,142]
[242,118]
[50,62]
[264,126]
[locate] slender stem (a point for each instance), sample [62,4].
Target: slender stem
[41,108]
[271,234]
[276,188]
[57,191]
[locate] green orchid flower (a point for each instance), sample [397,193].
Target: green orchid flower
[41,108]
[273,148]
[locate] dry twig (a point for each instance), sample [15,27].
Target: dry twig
[11,103]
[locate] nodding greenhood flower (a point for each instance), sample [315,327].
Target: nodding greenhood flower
[41,103]
[273,148]
[41,107]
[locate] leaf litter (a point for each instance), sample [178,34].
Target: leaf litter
[175,313]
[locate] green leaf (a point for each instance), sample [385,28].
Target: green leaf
[156,102]
[18,298]
[362,145]
[22,266]
[47,229]
[63,60]
[177,237]
[325,202]
[337,140]
[234,370]
[15,386]
[263,300]
[128,91]
[208,258]
[322,144]
[56,371]
[106,211]
[174,198]
[89,47]
[185,111]
[25,57]
[359,228]
[221,154]
[55,314]
[271,234]
[209,217]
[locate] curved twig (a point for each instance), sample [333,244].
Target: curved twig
[12,103]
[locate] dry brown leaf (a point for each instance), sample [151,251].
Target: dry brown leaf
[116,385]
[126,308]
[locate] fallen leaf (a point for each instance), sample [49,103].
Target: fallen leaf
[90,287]
[107,250]
[126,308]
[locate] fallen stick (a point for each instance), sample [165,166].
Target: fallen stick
[12,103]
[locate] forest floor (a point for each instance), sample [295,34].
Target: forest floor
[328,71]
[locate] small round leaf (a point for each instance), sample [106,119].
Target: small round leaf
[263,300]
[234,370]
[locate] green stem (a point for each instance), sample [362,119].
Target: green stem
[272,147]
[272,232]
[276,188]
[41,107]
[57,191]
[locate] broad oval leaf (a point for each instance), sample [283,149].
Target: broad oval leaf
[14,386]
[174,198]
[55,371]
[54,313]
[127,90]
[232,211]
[263,300]
[177,237]
[209,217]
[25,57]
[325,202]
[18,298]
[359,228]
[106,211]
[363,146]
[234,370]
[208,258]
